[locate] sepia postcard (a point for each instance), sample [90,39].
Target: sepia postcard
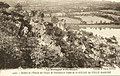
[60,37]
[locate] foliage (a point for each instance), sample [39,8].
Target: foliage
[18,7]
[55,48]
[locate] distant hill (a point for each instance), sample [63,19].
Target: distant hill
[65,3]
[38,2]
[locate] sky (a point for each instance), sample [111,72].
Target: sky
[56,0]
[115,0]
[52,0]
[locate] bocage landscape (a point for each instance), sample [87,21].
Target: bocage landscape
[51,34]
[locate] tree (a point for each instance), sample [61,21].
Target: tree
[4,5]
[18,7]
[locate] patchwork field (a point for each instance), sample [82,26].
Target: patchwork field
[68,20]
[93,19]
